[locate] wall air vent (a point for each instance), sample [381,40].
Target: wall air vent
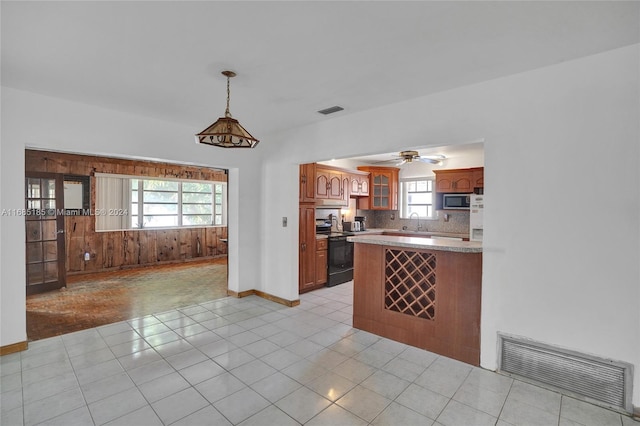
[331,110]
[597,380]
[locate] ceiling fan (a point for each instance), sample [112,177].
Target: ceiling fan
[405,157]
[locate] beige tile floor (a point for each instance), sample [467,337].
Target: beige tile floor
[253,362]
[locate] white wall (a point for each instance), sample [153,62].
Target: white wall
[562,224]
[34,121]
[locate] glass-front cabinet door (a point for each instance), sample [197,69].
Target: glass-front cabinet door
[381,191]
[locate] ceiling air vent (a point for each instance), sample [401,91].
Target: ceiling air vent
[601,381]
[331,110]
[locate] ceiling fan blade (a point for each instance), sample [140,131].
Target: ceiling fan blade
[385,161]
[427,160]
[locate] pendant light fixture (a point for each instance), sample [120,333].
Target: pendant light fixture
[227,132]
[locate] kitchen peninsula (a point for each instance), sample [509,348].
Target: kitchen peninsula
[420,291]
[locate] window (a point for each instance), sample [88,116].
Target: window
[158,203]
[417,196]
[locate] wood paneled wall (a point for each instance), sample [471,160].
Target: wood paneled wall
[117,249]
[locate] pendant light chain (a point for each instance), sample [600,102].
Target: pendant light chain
[226,112]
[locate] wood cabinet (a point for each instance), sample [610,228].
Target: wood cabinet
[440,313]
[307,248]
[346,183]
[459,180]
[322,258]
[477,177]
[329,184]
[359,185]
[383,188]
[307,183]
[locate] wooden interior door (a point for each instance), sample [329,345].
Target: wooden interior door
[44,220]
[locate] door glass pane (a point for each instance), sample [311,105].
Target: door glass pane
[384,180]
[33,188]
[48,188]
[35,274]
[49,230]
[34,252]
[33,204]
[385,202]
[33,231]
[50,271]
[50,250]
[49,204]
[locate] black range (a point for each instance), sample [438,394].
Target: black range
[340,254]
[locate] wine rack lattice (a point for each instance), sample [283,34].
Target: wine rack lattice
[410,283]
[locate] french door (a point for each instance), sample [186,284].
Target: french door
[44,220]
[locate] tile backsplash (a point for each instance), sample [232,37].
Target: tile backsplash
[458,221]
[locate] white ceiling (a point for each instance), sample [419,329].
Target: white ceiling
[163,59]
[474,149]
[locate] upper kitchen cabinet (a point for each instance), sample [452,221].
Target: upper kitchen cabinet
[478,177]
[307,183]
[359,184]
[383,188]
[459,180]
[329,185]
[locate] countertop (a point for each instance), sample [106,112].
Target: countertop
[418,242]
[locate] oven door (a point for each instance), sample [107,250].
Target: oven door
[340,254]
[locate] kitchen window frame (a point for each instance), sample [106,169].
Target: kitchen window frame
[403,192]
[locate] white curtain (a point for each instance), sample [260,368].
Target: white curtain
[113,203]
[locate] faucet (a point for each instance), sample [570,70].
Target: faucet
[418,228]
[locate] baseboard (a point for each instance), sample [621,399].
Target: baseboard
[16,347]
[241,294]
[280,300]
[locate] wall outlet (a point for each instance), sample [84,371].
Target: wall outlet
[87,256]
[284,221]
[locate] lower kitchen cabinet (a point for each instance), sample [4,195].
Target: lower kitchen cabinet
[307,248]
[312,253]
[321,261]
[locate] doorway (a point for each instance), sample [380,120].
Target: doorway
[84,277]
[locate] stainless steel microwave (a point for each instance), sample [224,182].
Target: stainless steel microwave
[456,201]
